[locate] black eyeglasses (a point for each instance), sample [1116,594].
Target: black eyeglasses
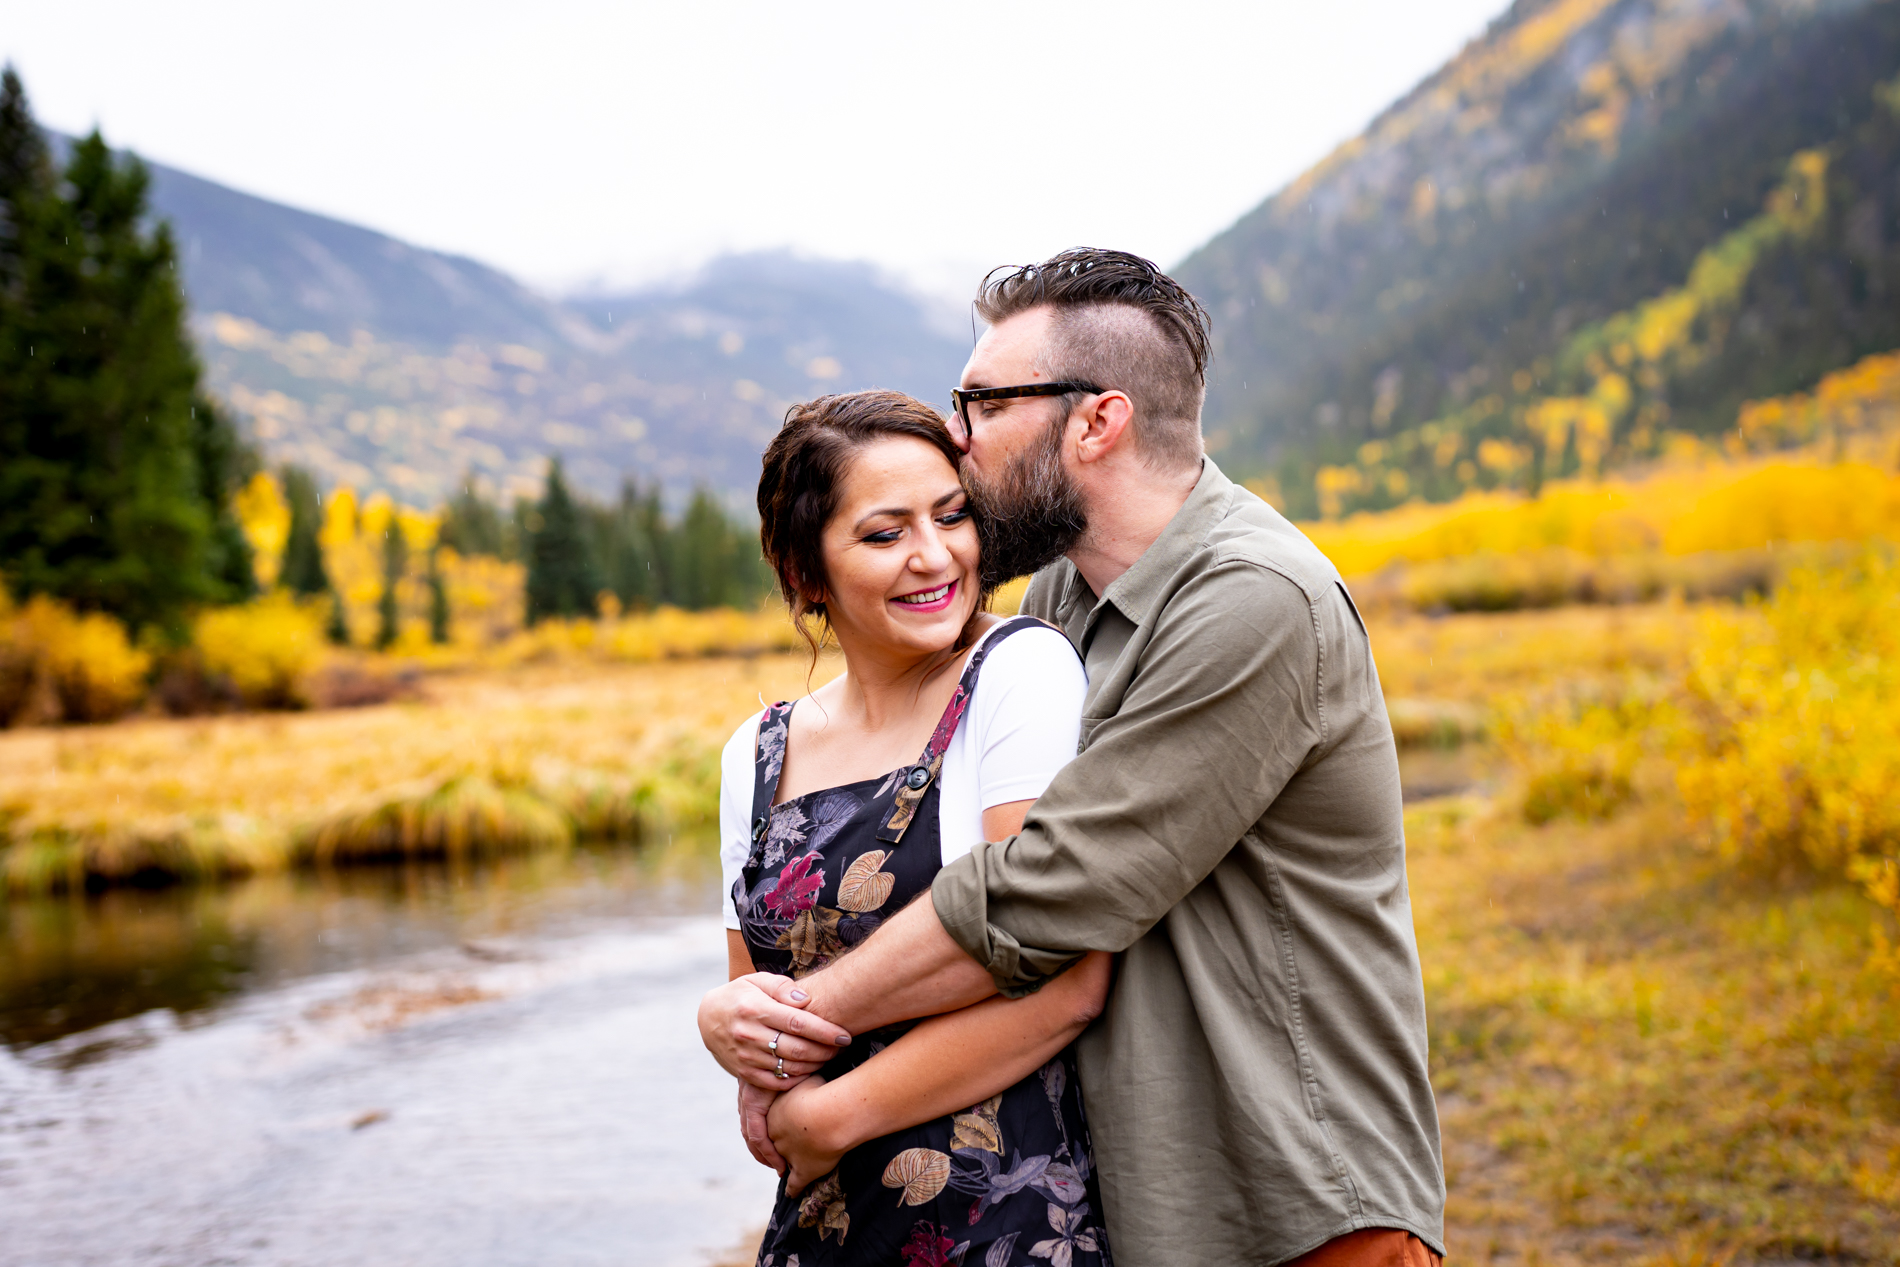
[960,400]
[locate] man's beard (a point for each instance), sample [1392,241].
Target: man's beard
[1031,514]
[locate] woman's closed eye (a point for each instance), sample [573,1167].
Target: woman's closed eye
[951,518]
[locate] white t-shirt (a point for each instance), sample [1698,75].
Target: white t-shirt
[1021,726]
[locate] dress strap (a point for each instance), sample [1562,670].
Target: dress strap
[917,780]
[768,763]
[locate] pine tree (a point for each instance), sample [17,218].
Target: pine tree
[563,574]
[395,563]
[303,570]
[26,177]
[628,550]
[472,524]
[438,599]
[224,464]
[115,471]
[647,514]
[715,562]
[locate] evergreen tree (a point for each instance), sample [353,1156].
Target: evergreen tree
[438,600]
[338,628]
[647,513]
[395,563]
[715,563]
[224,464]
[563,574]
[26,177]
[628,550]
[472,524]
[115,472]
[303,571]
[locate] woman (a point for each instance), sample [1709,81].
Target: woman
[959,1138]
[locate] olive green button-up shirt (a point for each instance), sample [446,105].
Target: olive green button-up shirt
[1257,1083]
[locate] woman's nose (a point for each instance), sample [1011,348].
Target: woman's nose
[931,554]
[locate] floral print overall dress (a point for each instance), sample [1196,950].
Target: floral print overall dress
[1010,1181]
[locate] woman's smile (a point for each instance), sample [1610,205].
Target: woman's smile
[931,600]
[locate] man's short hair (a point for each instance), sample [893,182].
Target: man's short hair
[1118,322]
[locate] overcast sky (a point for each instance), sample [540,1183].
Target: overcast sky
[570,142]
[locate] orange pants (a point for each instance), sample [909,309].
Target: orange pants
[1371,1247]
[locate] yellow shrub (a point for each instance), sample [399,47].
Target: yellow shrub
[1580,757]
[1793,751]
[95,670]
[1781,731]
[1677,511]
[265,647]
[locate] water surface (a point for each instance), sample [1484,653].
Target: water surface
[492,1064]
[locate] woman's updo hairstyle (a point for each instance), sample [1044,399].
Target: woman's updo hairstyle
[803,472]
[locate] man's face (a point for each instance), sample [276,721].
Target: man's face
[1030,509]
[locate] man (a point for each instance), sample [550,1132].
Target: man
[1256,1087]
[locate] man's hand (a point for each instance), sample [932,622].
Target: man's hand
[740,1020]
[754,1104]
[806,1132]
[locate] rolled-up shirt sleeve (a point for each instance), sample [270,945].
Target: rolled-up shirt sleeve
[1222,713]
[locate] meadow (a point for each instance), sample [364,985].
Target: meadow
[1658,910]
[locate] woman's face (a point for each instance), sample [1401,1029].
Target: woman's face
[900,553]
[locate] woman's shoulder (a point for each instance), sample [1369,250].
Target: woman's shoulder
[1030,642]
[1031,662]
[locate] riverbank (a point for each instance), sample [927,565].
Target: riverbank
[539,755]
[527,758]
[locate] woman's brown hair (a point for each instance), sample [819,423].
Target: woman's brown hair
[803,473]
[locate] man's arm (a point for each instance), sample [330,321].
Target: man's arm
[909,967]
[1223,711]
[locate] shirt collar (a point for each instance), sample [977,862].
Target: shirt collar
[1134,592]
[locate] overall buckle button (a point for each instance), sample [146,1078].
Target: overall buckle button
[918,776]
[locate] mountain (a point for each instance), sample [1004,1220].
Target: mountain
[1603,223]
[387,366]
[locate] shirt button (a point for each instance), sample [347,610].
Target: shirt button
[918,776]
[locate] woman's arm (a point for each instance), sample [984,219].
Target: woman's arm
[942,1064]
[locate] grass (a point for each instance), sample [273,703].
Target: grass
[1642,1056]
[528,758]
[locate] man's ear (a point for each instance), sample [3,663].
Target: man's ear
[1108,421]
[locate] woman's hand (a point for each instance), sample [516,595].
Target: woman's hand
[808,1132]
[740,1020]
[754,1104]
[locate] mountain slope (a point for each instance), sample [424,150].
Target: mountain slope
[1569,165]
[391,367]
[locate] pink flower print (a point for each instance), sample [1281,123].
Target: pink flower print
[927,1247]
[797,889]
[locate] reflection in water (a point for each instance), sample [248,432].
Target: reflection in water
[491,1064]
[72,963]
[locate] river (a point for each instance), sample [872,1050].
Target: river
[492,1064]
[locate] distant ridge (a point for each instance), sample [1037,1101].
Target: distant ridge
[396,368]
[1419,293]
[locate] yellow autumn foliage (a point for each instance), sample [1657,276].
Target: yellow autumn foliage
[1674,511]
[265,648]
[1790,734]
[1777,732]
[95,671]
